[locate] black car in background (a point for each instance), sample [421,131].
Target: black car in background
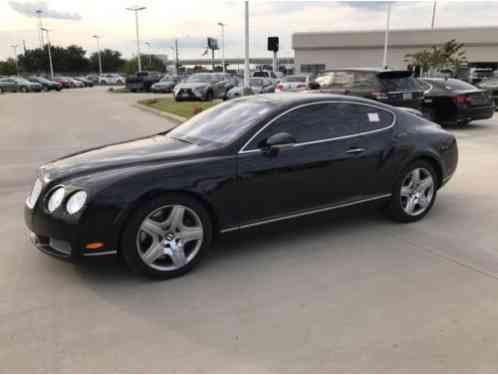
[491,86]
[394,87]
[47,85]
[450,101]
[159,201]
[142,81]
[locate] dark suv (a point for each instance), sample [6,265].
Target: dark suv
[394,87]
[142,81]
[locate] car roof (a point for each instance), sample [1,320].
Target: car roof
[290,99]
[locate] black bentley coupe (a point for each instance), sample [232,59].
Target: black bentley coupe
[159,201]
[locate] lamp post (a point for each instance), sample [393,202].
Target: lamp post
[39,13]
[222,25]
[14,47]
[433,14]
[386,36]
[137,9]
[150,54]
[246,46]
[97,38]
[49,53]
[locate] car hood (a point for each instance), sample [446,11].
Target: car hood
[157,148]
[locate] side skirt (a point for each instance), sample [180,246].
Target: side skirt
[304,213]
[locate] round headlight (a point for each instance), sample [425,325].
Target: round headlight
[35,194]
[55,199]
[76,202]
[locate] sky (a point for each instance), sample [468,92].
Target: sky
[192,21]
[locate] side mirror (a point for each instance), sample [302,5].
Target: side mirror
[277,141]
[314,85]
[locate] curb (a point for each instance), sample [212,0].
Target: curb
[170,116]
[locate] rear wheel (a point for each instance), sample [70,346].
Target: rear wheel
[24,89]
[167,236]
[414,193]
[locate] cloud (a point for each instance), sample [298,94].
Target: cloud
[28,9]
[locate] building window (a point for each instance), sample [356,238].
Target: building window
[312,68]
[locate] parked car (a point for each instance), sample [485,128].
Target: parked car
[394,87]
[142,81]
[23,85]
[47,85]
[204,86]
[64,81]
[293,83]
[166,84]
[257,85]
[85,81]
[75,82]
[264,74]
[476,75]
[455,102]
[111,79]
[159,201]
[491,86]
[8,85]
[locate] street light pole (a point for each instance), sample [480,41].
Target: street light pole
[150,54]
[137,9]
[49,54]
[14,47]
[433,14]
[246,47]
[386,36]
[39,13]
[222,25]
[97,38]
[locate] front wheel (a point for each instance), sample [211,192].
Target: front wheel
[167,236]
[24,89]
[414,193]
[209,96]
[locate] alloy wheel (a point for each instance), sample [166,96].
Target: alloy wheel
[417,191]
[170,237]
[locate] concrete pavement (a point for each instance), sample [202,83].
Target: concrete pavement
[337,292]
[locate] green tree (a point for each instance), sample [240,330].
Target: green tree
[450,55]
[8,67]
[71,59]
[112,61]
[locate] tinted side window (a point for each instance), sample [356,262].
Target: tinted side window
[327,120]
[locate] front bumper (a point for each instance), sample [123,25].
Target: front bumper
[59,238]
[188,94]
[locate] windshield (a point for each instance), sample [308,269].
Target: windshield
[223,123]
[41,79]
[200,78]
[455,84]
[21,80]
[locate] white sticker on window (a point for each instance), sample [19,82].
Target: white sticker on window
[373,117]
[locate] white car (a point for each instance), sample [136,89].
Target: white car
[111,79]
[294,83]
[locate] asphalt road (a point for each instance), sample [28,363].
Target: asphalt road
[349,291]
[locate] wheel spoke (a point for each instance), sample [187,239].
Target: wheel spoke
[416,175]
[175,219]
[177,255]
[423,201]
[406,191]
[425,184]
[410,205]
[191,234]
[151,227]
[154,252]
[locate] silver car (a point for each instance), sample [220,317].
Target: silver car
[257,85]
[204,86]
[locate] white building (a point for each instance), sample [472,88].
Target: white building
[315,51]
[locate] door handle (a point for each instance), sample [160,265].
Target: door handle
[355,151]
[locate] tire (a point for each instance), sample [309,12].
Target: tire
[1,90]
[209,96]
[24,89]
[421,196]
[183,254]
